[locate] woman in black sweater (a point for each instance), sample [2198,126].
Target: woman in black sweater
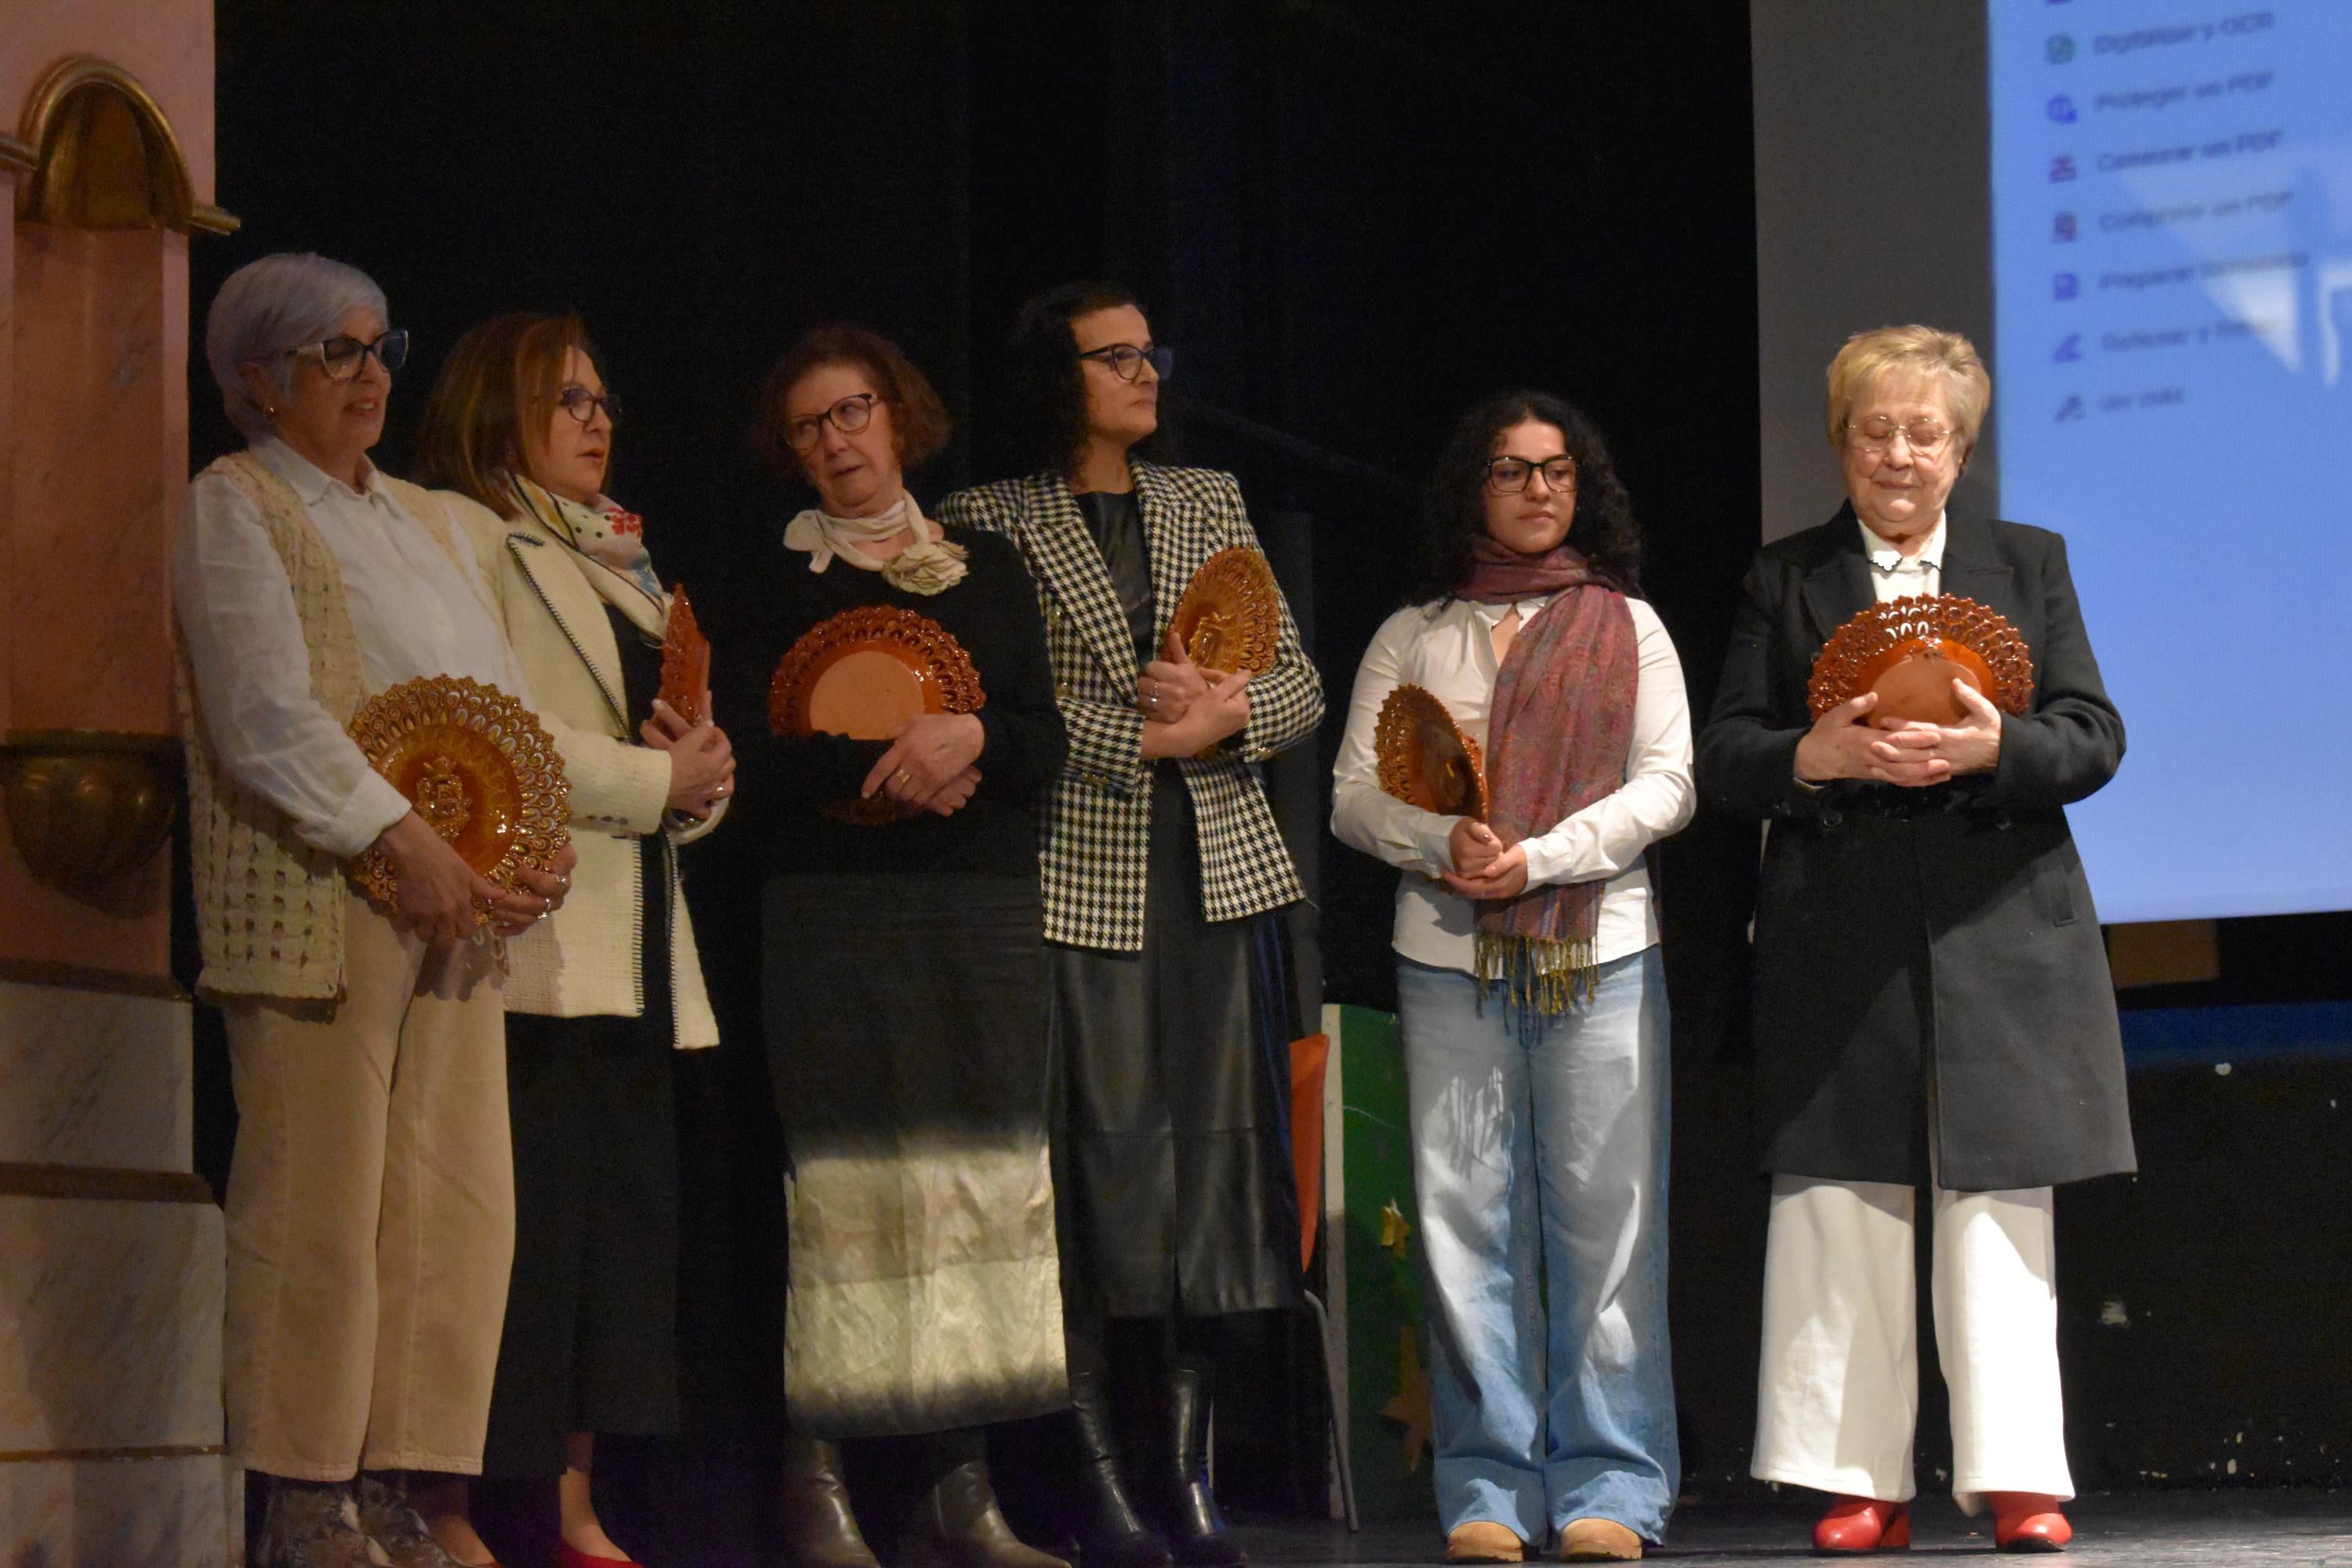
[903,974]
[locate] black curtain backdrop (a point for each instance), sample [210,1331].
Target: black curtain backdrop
[1350,217]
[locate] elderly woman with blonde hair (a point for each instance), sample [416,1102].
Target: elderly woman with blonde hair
[371,1199]
[1932,1004]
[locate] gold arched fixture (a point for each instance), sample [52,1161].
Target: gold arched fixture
[103,155]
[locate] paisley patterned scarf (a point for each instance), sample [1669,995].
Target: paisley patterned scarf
[1557,734]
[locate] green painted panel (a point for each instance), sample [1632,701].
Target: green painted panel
[1387,1407]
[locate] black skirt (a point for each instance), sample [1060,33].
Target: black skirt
[906,1028]
[1171,1163]
[591,1336]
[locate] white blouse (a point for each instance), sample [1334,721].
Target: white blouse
[1895,575]
[416,612]
[1449,651]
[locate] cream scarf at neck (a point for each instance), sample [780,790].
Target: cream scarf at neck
[929,566]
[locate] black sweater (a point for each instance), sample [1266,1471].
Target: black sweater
[781,781]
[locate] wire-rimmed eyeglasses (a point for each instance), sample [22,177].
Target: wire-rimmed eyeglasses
[1925,438]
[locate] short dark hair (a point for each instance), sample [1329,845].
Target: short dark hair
[919,425]
[1453,514]
[1044,394]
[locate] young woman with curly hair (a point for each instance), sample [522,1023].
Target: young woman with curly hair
[1530,992]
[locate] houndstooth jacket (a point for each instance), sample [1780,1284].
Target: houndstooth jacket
[1096,828]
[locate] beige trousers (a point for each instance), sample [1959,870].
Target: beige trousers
[371,1212]
[1837,1392]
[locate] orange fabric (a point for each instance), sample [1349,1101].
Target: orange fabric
[1309,1059]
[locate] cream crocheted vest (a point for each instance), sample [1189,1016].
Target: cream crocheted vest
[269,906]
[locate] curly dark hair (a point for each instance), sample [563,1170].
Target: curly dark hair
[1045,394]
[1454,513]
[919,424]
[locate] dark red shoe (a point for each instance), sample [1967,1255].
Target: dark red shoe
[570,1556]
[1858,1524]
[2028,1521]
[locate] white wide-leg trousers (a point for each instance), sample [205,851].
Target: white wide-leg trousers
[1838,1388]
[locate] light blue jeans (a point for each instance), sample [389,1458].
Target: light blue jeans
[1539,1164]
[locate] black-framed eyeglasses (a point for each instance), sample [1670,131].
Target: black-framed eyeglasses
[1925,438]
[1509,476]
[849,415]
[583,403]
[340,358]
[1126,360]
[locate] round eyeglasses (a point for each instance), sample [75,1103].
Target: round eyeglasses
[849,415]
[1925,438]
[1509,476]
[1126,362]
[340,358]
[583,403]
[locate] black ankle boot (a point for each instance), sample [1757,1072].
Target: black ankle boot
[818,1529]
[1187,1507]
[957,1523]
[1102,1521]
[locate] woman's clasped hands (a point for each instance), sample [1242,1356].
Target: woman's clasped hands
[1187,709]
[439,894]
[930,765]
[1910,755]
[701,759]
[1484,867]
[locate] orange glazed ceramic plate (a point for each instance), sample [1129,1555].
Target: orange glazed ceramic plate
[477,766]
[1423,758]
[1230,617]
[685,661]
[1908,650]
[864,673]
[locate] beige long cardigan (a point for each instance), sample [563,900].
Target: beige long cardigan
[584,959]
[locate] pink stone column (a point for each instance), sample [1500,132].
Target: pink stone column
[111,1247]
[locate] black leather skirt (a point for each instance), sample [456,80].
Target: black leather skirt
[1172,1168]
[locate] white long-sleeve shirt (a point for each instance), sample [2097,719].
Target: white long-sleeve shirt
[1449,651]
[416,612]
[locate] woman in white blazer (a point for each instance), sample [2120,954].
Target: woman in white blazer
[520,428]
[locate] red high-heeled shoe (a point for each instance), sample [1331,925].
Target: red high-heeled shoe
[570,1556]
[2028,1521]
[1856,1525]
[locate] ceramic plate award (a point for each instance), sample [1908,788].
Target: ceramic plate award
[864,673]
[1424,759]
[685,661]
[1907,650]
[477,766]
[1230,617]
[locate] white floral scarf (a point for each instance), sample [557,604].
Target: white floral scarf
[931,565]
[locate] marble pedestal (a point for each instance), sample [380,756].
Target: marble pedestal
[111,1283]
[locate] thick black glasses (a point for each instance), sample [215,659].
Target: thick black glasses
[340,358]
[583,403]
[1126,360]
[849,415]
[1509,476]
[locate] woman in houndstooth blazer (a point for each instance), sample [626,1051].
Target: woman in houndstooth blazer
[1159,858]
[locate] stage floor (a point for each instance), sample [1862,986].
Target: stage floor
[2140,1529]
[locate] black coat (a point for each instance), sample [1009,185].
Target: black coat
[1927,962]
